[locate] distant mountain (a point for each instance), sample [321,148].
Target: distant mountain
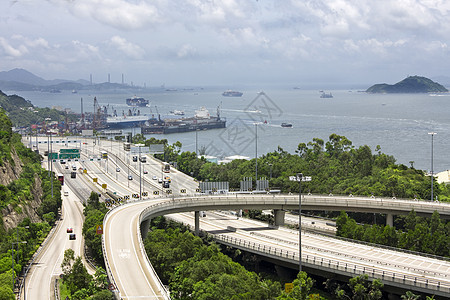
[22,76]
[22,80]
[411,84]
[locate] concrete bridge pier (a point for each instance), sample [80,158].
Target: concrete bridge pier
[197,223]
[144,228]
[279,216]
[390,220]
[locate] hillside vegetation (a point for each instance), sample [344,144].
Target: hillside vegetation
[27,208]
[411,84]
[22,113]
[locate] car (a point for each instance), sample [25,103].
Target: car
[66,194]
[130,177]
[62,161]
[67,167]
[117,169]
[155,177]
[72,236]
[159,180]
[145,172]
[69,229]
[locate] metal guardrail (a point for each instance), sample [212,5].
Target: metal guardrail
[116,291]
[161,286]
[33,258]
[347,268]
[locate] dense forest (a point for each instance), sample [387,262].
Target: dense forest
[336,167]
[411,232]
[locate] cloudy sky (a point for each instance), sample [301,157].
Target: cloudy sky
[227,42]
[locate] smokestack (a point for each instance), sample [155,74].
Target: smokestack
[91,78]
[109,78]
[122,79]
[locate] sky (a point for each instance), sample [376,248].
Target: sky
[227,42]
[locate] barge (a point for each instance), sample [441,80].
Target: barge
[201,121]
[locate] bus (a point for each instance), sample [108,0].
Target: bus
[61,178]
[104,154]
[166,168]
[126,146]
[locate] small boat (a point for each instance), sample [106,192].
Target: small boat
[326,95]
[230,93]
[177,112]
[286,125]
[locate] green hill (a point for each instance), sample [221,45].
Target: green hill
[411,84]
[22,113]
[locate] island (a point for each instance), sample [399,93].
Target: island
[411,84]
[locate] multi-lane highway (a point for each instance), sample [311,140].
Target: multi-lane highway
[46,266]
[134,277]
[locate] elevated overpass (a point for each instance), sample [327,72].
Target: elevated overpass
[126,259]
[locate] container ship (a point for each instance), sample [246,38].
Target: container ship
[230,93]
[201,121]
[137,101]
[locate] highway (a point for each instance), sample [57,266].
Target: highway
[130,270]
[46,266]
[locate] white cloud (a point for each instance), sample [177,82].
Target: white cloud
[128,48]
[186,51]
[32,43]
[10,50]
[119,14]
[288,34]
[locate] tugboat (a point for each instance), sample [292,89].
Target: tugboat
[137,101]
[286,125]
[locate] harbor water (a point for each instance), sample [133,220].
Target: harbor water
[399,123]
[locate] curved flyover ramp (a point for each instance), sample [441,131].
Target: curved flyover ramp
[133,276]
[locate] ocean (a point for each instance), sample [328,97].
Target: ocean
[399,123]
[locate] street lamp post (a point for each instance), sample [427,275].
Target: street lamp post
[432,175]
[51,163]
[196,142]
[12,252]
[140,173]
[300,178]
[256,156]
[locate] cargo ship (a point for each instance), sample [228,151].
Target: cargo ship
[201,121]
[119,122]
[230,93]
[137,101]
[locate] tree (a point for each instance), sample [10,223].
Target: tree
[66,265]
[410,296]
[6,293]
[361,289]
[103,295]
[301,290]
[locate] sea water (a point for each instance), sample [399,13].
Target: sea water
[399,123]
